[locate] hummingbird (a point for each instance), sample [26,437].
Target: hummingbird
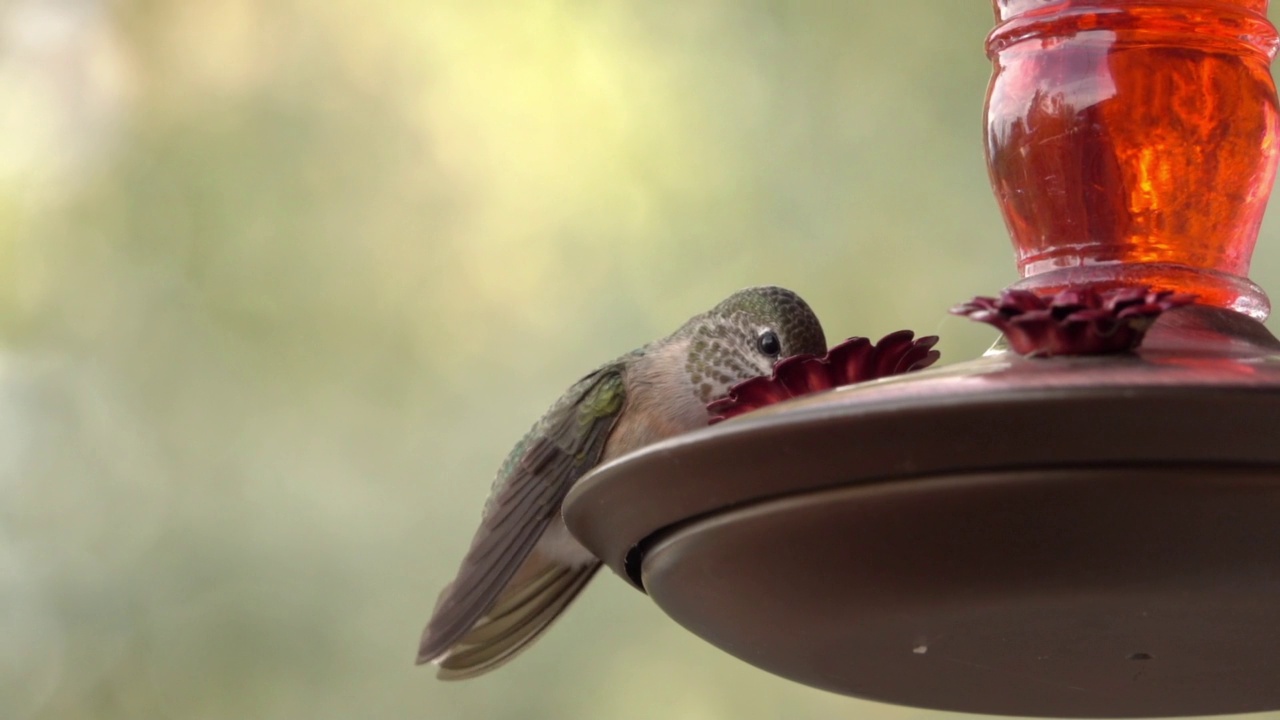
[523,568]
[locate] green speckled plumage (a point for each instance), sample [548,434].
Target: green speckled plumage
[523,568]
[714,363]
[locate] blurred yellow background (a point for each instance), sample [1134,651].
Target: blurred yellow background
[282,282]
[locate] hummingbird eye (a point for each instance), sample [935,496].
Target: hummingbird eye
[768,343]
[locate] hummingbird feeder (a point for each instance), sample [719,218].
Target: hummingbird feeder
[1073,524]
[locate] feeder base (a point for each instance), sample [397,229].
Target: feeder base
[1086,537]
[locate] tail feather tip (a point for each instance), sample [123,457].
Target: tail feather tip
[428,655]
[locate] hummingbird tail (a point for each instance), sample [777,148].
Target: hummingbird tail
[521,614]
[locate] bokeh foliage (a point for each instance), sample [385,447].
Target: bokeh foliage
[281,282]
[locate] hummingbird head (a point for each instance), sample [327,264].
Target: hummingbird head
[746,335]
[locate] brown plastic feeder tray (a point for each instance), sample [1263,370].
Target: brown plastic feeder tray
[1005,536]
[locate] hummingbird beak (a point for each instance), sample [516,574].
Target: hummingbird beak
[852,361]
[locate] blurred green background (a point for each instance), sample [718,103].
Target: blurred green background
[281,282]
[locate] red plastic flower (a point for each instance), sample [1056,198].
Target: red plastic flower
[852,361]
[1080,321]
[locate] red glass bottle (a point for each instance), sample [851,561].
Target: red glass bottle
[1134,142]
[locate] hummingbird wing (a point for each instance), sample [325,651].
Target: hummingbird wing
[525,610]
[528,493]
